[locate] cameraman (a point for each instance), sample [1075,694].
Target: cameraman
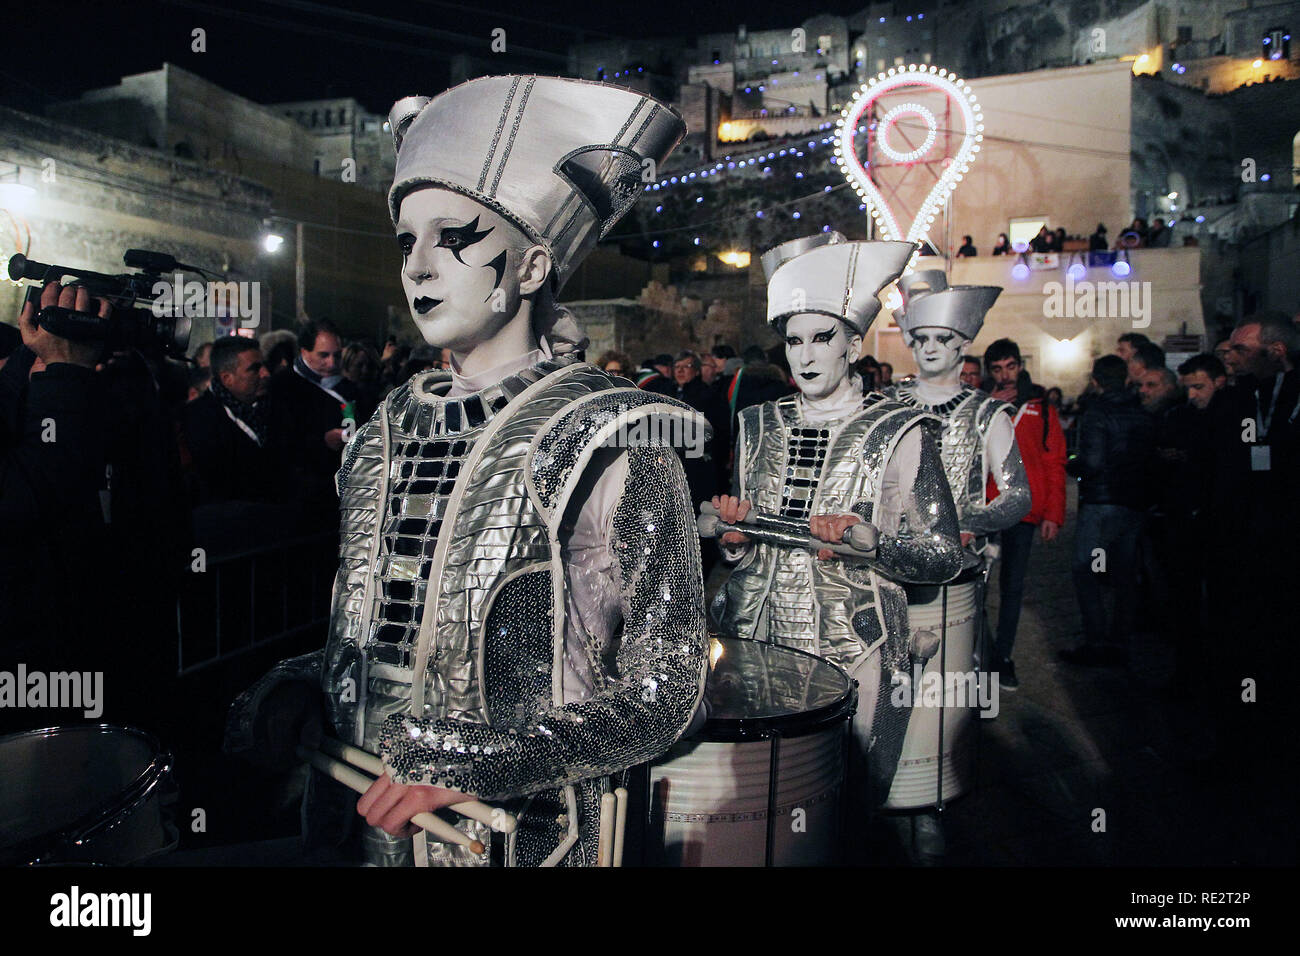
[53,456]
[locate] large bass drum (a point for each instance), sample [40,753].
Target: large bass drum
[762,783]
[89,793]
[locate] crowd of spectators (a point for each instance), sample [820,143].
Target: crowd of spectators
[1187,484]
[1138,235]
[116,465]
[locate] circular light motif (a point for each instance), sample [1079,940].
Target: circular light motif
[886,121]
[855,170]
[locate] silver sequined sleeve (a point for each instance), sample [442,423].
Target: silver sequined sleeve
[640,705]
[926,547]
[1012,502]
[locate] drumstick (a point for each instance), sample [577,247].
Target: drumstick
[493,817]
[710,526]
[438,828]
[620,823]
[860,539]
[604,851]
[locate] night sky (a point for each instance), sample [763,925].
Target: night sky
[284,50]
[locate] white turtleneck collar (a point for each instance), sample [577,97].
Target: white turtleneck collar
[933,393]
[469,384]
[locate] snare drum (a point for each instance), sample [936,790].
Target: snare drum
[762,783]
[89,793]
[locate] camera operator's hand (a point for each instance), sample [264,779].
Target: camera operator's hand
[50,348]
[334,439]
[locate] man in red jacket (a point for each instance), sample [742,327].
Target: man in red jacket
[1042,448]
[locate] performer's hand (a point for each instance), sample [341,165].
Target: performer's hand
[830,528]
[731,510]
[390,805]
[50,348]
[966,538]
[334,439]
[1048,530]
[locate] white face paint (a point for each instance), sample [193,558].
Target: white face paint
[820,352]
[459,270]
[938,353]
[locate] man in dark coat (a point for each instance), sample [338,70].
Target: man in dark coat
[1116,449]
[312,404]
[226,428]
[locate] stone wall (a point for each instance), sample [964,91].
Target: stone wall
[96,197]
[1056,144]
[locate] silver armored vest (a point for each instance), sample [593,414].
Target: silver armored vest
[966,419]
[782,594]
[450,597]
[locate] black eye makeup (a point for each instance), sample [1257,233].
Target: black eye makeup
[825,336]
[406,242]
[460,238]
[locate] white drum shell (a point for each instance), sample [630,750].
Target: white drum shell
[712,800]
[916,782]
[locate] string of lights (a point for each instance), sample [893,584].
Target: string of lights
[760,214]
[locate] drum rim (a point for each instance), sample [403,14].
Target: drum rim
[739,729]
[49,844]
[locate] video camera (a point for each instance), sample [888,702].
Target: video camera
[131,323]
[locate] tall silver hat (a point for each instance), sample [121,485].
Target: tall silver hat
[929,302]
[795,247]
[842,279]
[562,159]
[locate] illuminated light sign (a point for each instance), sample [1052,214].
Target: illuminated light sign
[914,76]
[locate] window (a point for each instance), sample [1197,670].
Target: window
[315,166]
[1277,44]
[1184,34]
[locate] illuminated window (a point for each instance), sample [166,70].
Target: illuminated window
[1277,44]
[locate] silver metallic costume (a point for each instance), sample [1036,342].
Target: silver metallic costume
[963,446]
[494,630]
[848,612]
[968,415]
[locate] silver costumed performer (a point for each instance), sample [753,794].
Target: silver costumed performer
[939,323]
[518,612]
[835,450]
[977,443]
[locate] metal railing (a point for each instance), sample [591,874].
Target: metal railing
[248,599]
